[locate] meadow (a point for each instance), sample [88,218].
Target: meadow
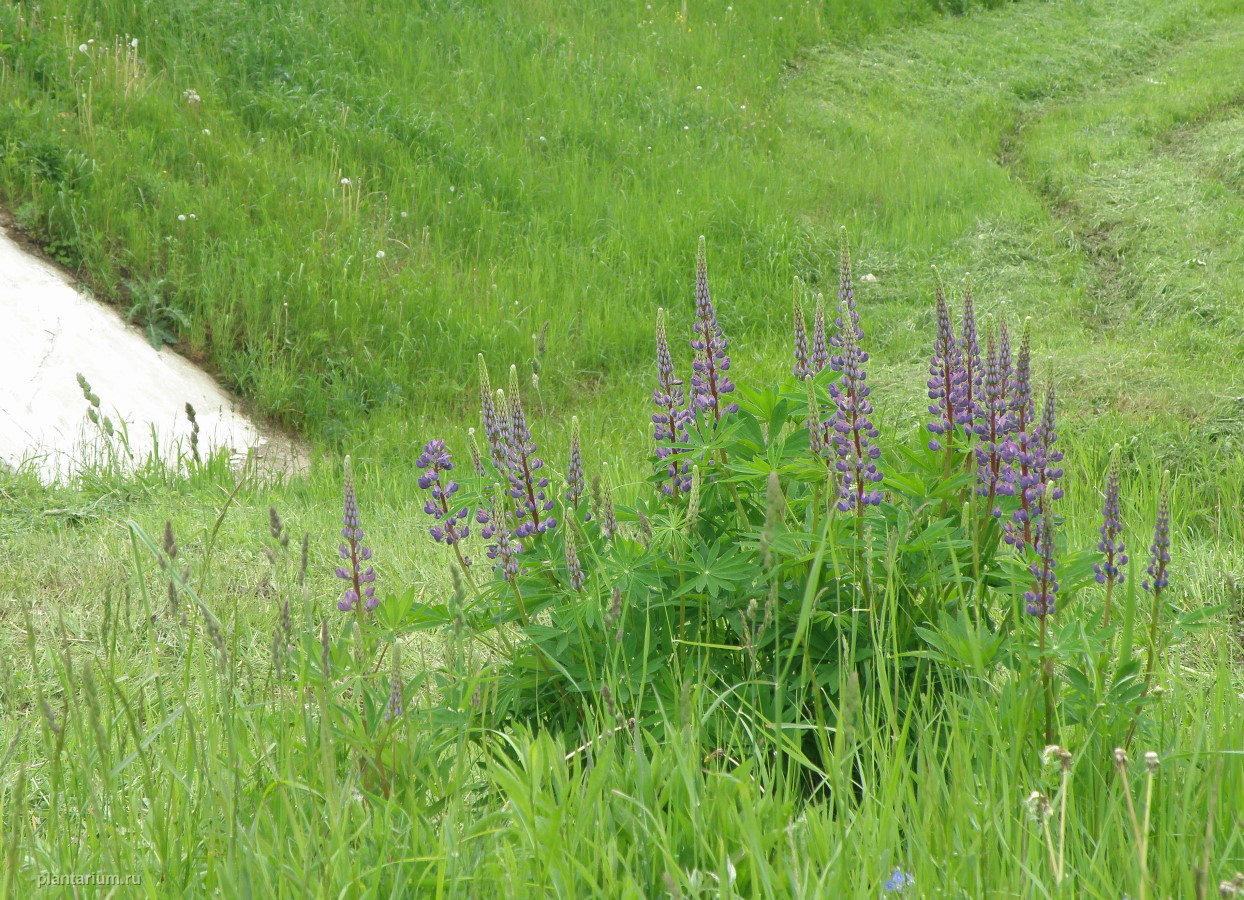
[373,194]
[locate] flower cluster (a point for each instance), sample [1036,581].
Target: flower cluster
[970,353]
[1040,597]
[495,421]
[1111,545]
[573,566]
[527,487]
[360,581]
[710,381]
[802,367]
[575,482]
[1038,472]
[1157,579]
[948,379]
[504,550]
[450,527]
[671,419]
[820,346]
[846,305]
[849,432]
[854,434]
[993,472]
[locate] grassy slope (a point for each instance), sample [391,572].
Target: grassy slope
[515,163]
[1030,146]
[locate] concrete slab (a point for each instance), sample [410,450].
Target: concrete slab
[50,332]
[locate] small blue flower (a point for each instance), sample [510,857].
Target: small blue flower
[898,881]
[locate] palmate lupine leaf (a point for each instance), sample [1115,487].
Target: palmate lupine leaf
[715,568]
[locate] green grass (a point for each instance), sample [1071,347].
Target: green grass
[1080,159]
[515,163]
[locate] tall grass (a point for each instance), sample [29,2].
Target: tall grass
[518,164]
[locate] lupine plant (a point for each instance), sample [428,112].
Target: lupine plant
[782,546]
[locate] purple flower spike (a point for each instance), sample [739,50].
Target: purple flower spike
[575,482]
[802,367]
[854,436]
[1160,550]
[495,426]
[1027,445]
[816,427]
[671,419]
[995,476]
[820,346]
[947,377]
[572,561]
[451,524]
[846,306]
[710,381]
[1040,599]
[1111,545]
[394,709]
[970,351]
[477,460]
[1045,436]
[361,581]
[504,552]
[527,488]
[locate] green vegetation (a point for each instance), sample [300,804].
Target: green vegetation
[1080,159]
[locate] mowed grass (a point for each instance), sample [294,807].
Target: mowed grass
[1079,160]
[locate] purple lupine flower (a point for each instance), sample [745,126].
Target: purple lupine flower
[361,581]
[820,346]
[970,351]
[477,460]
[1157,579]
[527,488]
[846,301]
[802,367]
[709,380]
[572,561]
[947,377]
[504,552]
[1111,545]
[1045,435]
[1021,402]
[994,475]
[394,709]
[494,419]
[816,426]
[1040,599]
[602,502]
[1024,449]
[451,525]
[846,286]
[669,423]
[853,435]
[1004,356]
[1038,473]
[575,483]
